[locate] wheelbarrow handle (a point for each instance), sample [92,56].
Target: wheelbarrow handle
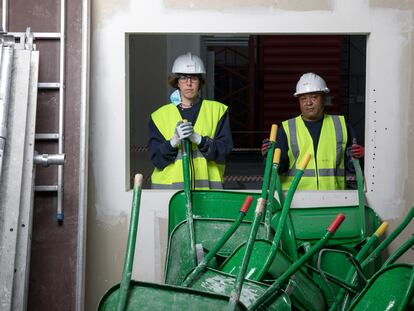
[284,218]
[132,236]
[273,131]
[273,290]
[246,205]
[389,238]
[304,162]
[268,165]
[274,177]
[276,156]
[238,283]
[336,223]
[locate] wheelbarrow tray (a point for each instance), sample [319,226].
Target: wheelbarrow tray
[309,224]
[150,296]
[208,204]
[303,291]
[218,282]
[386,290]
[207,232]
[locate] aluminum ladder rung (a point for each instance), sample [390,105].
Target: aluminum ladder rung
[48,85]
[47,136]
[46,188]
[40,35]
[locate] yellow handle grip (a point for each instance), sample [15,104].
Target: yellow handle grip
[273,132]
[276,156]
[381,229]
[304,162]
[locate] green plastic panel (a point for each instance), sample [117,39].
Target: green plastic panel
[156,297]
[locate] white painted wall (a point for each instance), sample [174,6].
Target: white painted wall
[389,91]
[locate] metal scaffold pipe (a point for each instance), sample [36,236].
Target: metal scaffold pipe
[5,78]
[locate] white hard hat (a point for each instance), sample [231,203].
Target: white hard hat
[188,63]
[309,83]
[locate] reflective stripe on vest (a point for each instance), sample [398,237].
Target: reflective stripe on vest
[208,174]
[327,172]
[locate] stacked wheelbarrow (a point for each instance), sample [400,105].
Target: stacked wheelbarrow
[221,256]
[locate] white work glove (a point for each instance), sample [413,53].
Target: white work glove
[195,138]
[182,130]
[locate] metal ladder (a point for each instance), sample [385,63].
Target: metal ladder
[58,137]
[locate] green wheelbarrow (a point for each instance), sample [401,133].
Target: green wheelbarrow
[197,220]
[400,286]
[307,226]
[391,288]
[133,295]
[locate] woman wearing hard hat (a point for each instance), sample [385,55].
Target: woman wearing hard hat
[208,129]
[328,138]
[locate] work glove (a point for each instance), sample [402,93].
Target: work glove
[182,131]
[357,151]
[195,138]
[266,144]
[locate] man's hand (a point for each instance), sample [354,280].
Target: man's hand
[266,144]
[357,151]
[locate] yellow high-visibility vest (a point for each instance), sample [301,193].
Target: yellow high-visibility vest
[206,174]
[327,171]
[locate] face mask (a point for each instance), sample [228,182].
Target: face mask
[175,97]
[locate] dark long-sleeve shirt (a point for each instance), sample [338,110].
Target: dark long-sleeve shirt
[314,129]
[215,148]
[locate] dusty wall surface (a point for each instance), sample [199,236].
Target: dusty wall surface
[389,126]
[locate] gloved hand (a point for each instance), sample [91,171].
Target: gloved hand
[266,144]
[182,130]
[195,138]
[357,151]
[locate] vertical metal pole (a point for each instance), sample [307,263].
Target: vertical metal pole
[61,143]
[5,78]
[83,159]
[4,15]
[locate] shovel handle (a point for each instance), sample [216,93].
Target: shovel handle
[336,223]
[246,205]
[276,156]
[273,132]
[305,161]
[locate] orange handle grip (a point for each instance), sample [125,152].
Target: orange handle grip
[273,132]
[305,161]
[276,156]
[336,223]
[246,205]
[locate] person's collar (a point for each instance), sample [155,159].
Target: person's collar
[313,121]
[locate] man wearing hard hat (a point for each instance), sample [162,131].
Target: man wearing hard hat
[326,137]
[208,129]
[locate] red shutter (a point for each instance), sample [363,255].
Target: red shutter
[282,60]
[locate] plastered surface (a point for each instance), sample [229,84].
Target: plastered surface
[389,126]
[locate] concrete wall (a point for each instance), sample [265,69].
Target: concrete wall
[389,130]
